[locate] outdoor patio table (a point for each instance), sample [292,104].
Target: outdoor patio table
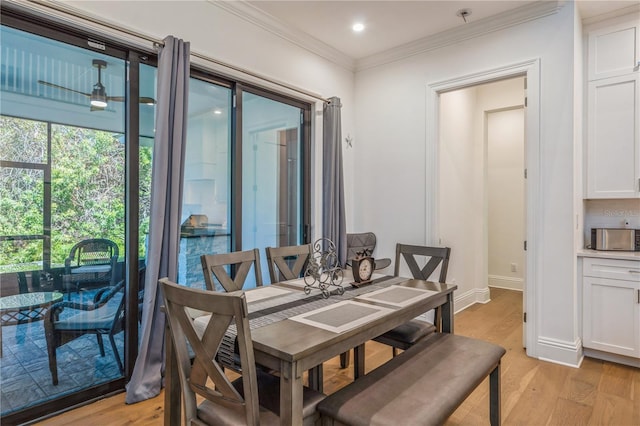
[25,307]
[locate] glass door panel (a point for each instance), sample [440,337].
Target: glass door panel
[61,183]
[206,221]
[271,175]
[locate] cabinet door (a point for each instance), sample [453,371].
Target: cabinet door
[613,147]
[614,50]
[611,316]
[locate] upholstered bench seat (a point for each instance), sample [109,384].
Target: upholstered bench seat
[422,386]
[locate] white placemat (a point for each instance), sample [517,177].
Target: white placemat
[341,316]
[396,295]
[264,292]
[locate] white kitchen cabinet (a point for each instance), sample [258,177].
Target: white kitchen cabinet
[611,306]
[614,49]
[613,137]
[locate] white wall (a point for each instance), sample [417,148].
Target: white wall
[506,197]
[391,122]
[461,202]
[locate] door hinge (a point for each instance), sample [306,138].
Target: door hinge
[525,245]
[525,101]
[524,317]
[525,173]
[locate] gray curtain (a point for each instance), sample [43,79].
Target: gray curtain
[334,225]
[166,203]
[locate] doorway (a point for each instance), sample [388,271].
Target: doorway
[482,195]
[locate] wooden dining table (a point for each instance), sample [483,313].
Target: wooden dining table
[289,338]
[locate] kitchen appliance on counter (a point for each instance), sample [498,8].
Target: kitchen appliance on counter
[198,225]
[621,239]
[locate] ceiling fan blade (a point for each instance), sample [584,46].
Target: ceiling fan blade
[46,83]
[142,100]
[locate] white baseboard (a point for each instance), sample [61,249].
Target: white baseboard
[560,352]
[476,295]
[508,283]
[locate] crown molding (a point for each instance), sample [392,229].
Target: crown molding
[250,13]
[487,25]
[627,11]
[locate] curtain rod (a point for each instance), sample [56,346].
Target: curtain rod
[159,43]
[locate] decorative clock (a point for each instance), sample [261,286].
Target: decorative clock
[363,266]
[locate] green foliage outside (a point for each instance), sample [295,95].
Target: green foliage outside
[87,190]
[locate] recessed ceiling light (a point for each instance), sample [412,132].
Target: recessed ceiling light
[358,27]
[217,111]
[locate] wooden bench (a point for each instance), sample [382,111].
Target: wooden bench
[422,386]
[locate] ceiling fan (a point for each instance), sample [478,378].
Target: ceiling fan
[98,96]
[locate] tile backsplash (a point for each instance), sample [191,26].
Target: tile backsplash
[610,214]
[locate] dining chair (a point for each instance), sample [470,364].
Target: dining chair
[407,334]
[287,263]
[231,269]
[253,398]
[358,242]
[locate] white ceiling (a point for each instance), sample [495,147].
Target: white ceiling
[390,24]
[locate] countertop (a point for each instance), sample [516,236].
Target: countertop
[621,255]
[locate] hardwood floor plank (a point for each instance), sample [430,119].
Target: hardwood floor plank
[567,412]
[533,392]
[617,380]
[610,409]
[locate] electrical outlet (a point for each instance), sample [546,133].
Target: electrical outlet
[514,267]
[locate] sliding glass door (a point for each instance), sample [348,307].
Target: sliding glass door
[75,196]
[246,171]
[62,192]
[272,160]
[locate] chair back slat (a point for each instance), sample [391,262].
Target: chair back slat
[230,269]
[434,256]
[205,376]
[288,262]
[95,251]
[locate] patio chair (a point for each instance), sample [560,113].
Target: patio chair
[90,262]
[253,398]
[104,316]
[287,263]
[239,262]
[407,334]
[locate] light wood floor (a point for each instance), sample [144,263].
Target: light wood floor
[533,392]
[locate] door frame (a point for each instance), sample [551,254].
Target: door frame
[531,71]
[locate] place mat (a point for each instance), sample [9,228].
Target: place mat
[264,292]
[347,280]
[267,311]
[341,316]
[395,295]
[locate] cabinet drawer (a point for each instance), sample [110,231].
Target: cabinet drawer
[611,268]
